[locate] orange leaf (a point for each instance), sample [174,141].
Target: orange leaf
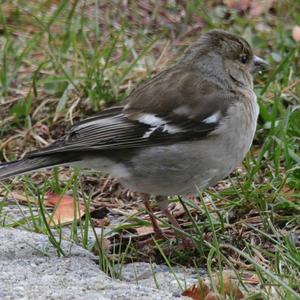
[197,292]
[212,296]
[230,287]
[66,209]
[296,33]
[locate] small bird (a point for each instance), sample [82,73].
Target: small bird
[182,130]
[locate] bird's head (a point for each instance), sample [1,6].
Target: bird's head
[226,51]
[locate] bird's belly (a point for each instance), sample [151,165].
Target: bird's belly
[175,169]
[179,169]
[185,167]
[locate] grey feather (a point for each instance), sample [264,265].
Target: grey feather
[30,164]
[120,127]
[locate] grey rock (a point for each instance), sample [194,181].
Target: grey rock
[31,269]
[16,213]
[18,244]
[160,276]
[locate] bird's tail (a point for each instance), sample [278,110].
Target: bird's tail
[27,165]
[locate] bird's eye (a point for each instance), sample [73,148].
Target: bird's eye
[243,58]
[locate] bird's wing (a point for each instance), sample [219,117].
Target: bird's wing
[172,107]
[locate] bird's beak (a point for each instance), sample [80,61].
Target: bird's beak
[259,65]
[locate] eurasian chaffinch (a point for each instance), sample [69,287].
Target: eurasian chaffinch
[184,129]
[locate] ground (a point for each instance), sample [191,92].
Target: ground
[64,60]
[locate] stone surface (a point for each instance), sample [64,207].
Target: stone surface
[159,276]
[16,214]
[31,269]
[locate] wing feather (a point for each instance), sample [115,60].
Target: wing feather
[144,121]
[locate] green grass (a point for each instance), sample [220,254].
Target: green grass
[62,62]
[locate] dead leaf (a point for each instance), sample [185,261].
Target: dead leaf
[66,209]
[100,222]
[144,230]
[197,292]
[289,193]
[212,296]
[21,198]
[296,33]
[238,4]
[256,9]
[230,287]
[253,280]
[105,246]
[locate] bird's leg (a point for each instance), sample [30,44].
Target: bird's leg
[163,205]
[162,202]
[158,232]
